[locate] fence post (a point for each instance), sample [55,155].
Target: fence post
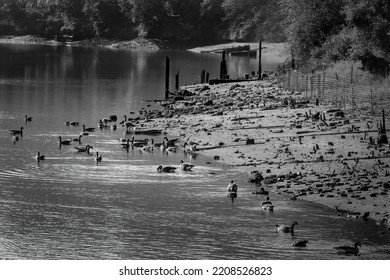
[288,79]
[177,81]
[371,97]
[352,89]
[167,77]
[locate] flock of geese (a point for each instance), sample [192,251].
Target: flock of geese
[147,145]
[170,146]
[266,205]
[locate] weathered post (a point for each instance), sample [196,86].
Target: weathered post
[260,70]
[177,81]
[207,77]
[167,77]
[223,68]
[203,76]
[352,89]
[383,137]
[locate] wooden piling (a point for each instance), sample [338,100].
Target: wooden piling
[207,77]
[203,76]
[167,62]
[260,70]
[223,67]
[383,137]
[177,81]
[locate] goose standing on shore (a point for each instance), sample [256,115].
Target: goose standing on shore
[287,229]
[349,250]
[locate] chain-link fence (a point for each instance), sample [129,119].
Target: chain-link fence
[347,95]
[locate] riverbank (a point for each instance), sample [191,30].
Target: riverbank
[277,49]
[136,44]
[303,151]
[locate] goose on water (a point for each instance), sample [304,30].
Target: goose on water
[349,250]
[191,148]
[15,138]
[63,142]
[166,169]
[28,119]
[88,129]
[287,229]
[82,149]
[170,142]
[267,205]
[98,158]
[17,132]
[78,139]
[300,243]
[40,157]
[73,123]
[186,166]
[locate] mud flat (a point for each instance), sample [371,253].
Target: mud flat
[291,145]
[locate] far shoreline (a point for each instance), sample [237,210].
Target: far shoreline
[278,49]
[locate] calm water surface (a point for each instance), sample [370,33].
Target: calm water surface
[67,207]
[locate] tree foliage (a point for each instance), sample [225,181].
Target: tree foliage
[163,19]
[321,31]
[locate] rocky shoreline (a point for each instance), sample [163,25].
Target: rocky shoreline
[293,146]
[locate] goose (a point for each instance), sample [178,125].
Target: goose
[98,158]
[138,143]
[40,157]
[349,250]
[170,142]
[149,147]
[17,132]
[232,189]
[127,123]
[72,123]
[122,140]
[166,169]
[28,119]
[15,138]
[300,243]
[88,129]
[78,139]
[267,205]
[63,142]
[186,166]
[192,147]
[126,145]
[82,149]
[287,229]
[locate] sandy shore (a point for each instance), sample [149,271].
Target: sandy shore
[138,43]
[259,127]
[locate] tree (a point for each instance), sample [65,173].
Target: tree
[369,22]
[309,24]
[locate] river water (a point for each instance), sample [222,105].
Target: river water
[67,207]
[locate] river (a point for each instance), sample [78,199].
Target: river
[68,207]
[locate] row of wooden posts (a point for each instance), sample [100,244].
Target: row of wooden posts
[204,77]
